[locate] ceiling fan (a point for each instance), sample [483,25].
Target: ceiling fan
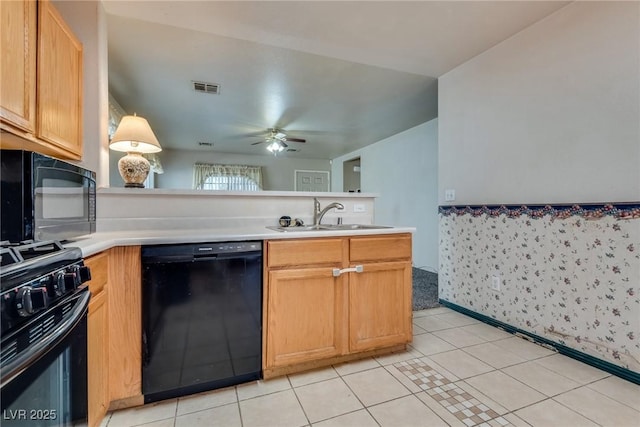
[276,140]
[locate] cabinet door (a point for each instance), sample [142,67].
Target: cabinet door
[98,358]
[380,306]
[59,88]
[18,64]
[305,312]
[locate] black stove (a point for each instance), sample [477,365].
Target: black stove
[43,342]
[34,276]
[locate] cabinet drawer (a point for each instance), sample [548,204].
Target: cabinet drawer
[99,266]
[397,246]
[304,252]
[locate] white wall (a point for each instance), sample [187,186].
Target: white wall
[550,115]
[403,170]
[278,172]
[87,19]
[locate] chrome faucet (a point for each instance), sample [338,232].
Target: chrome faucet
[318,214]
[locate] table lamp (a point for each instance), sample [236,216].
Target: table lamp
[134,136]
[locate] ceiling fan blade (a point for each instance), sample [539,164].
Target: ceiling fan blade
[259,142]
[296,140]
[283,144]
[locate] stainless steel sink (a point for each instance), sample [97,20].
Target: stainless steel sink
[354,227]
[328,227]
[296,228]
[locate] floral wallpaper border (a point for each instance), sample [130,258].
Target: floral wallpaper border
[569,273]
[586,211]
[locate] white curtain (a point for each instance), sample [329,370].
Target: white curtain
[228,177]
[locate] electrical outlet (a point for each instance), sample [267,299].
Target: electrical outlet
[449,195]
[359,208]
[495,282]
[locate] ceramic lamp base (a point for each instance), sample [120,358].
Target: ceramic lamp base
[134,170]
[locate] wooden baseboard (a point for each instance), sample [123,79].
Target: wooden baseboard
[301,367]
[127,402]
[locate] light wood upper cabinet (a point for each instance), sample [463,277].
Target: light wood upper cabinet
[59,85]
[18,65]
[41,97]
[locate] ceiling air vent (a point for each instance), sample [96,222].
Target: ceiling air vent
[211,88]
[205,144]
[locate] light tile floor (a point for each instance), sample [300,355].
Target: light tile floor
[457,372]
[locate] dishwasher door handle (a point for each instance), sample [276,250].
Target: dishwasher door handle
[211,257]
[356,269]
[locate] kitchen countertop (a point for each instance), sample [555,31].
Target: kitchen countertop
[93,243]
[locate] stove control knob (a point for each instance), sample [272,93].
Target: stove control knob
[30,300]
[56,285]
[83,273]
[66,282]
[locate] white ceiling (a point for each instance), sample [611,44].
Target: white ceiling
[339,74]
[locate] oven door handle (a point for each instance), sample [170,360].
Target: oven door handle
[25,360]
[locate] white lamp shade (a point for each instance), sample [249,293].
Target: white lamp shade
[134,135]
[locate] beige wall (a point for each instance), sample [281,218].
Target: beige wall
[550,115]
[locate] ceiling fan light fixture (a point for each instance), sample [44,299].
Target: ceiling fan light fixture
[275,146]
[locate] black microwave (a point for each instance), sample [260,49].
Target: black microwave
[44,198]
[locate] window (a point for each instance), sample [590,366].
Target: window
[227,177]
[229,183]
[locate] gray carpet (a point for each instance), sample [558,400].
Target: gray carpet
[425,289]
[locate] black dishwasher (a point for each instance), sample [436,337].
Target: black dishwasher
[201,317]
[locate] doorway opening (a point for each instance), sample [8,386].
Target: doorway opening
[351,175]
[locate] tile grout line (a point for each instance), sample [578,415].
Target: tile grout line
[298,400]
[235,390]
[356,396]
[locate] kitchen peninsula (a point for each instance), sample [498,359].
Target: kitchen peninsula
[328,295]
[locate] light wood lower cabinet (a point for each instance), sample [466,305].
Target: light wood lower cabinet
[98,358]
[332,299]
[98,339]
[125,327]
[380,306]
[114,332]
[305,315]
